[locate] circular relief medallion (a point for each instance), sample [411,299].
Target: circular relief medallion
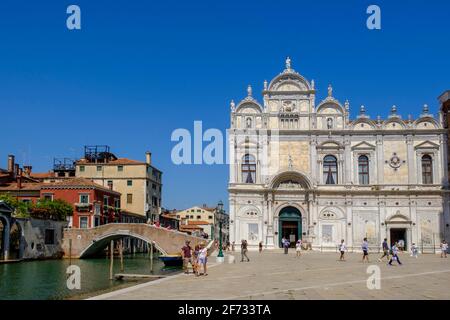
[395,161]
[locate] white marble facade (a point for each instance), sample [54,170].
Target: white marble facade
[299,168]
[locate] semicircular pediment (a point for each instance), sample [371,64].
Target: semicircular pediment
[290,180]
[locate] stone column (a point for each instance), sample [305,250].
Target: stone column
[414,234]
[380,159]
[347,160]
[443,166]
[313,152]
[232,227]
[412,178]
[349,219]
[270,221]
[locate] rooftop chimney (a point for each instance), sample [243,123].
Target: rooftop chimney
[16,169]
[11,163]
[148,157]
[27,170]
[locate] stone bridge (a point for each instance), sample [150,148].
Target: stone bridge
[87,242]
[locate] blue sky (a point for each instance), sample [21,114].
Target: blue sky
[140,69]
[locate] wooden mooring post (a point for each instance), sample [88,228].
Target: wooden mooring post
[121,255]
[151,256]
[111,264]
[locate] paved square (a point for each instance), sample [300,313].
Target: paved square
[273,275]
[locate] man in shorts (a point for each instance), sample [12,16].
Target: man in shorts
[365,249]
[186,253]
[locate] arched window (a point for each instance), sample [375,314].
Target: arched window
[248,169]
[330,170]
[427,169]
[363,170]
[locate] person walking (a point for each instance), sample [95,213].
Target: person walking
[414,251]
[298,248]
[385,250]
[444,249]
[286,245]
[203,259]
[342,249]
[232,246]
[186,253]
[260,247]
[394,252]
[244,250]
[365,249]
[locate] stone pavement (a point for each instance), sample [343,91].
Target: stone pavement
[273,275]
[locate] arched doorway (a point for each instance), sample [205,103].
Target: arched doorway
[290,225]
[15,241]
[3,234]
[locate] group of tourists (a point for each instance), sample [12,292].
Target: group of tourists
[389,252]
[197,258]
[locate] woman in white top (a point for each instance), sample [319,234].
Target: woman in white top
[298,247]
[203,258]
[342,250]
[444,248]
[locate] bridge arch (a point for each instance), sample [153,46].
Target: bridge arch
[102,241]
[83,243]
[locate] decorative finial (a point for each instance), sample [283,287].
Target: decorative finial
[313,84]
[249,90]
[347,105]
[232,105]
[362,110]
[425,109]
[330,91]
[265,84]
[394,110]
[288,63]
[378,119]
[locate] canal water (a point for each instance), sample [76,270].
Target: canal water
[46,280]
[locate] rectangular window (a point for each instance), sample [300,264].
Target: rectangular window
[97,209]
[120,168]
[117,203]
[199,217]
[129,198]
[99,168]
[96,221]
[82,168]
[49,236]
[154,186]
[110,184]
[83,222]
[210,217]
[129,183]
[84,198]
[105,200]
[48,196]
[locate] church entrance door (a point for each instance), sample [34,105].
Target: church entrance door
[290,225]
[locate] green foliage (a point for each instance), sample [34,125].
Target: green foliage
[53,210]
[21,208]
[44,209]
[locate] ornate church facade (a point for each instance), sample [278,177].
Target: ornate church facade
[302,169]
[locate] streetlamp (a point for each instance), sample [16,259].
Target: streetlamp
[220,210]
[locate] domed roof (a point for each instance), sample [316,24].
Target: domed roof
[289,80]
